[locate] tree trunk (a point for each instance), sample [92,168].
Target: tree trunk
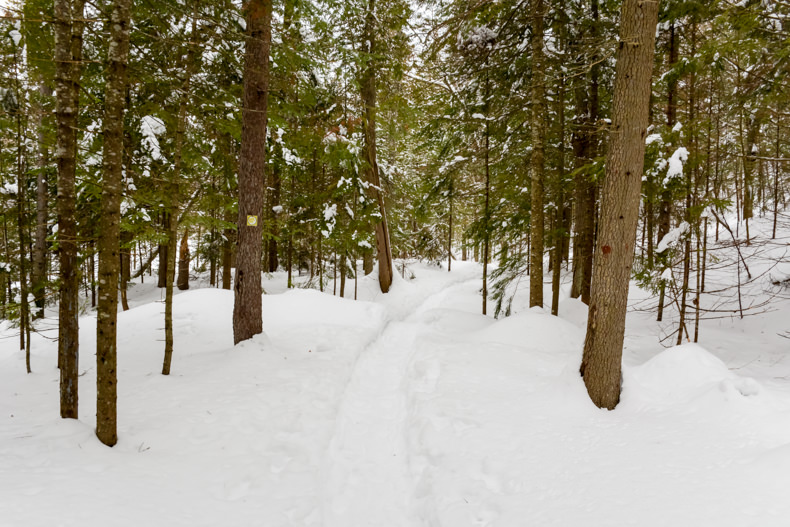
[274,188]
[163,256]
[585,147]
[247,307]
[39,270]
[183,262]
[559,227]
[603,345]
[486,218]
[537,162]
[68,55]
[21,206]
[126,266]
[229,235]
[109,241]
[368,85]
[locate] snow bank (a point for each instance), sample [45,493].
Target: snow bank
[686,375]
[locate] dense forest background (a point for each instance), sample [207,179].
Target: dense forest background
[471,130]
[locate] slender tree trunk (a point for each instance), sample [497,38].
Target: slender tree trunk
[21,206]
[39,270]
[109,241]
[126,266]
[229,236]
[368,85]
[450,230]
[603,345]
[585,150]
[247,306]
[537,162]
[559,228]
[486,218]
[274,188]
[163,253]
[68,55]
[183,262]
[92,266]
[776,183]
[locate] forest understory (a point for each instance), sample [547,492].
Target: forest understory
[411,409]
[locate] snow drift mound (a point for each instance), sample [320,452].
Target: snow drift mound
[687,375]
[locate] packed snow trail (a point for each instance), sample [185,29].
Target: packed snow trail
[367,478]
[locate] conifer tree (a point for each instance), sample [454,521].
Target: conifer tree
[247,310]
[109,241]
[603,345]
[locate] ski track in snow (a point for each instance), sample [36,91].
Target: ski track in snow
[368,477]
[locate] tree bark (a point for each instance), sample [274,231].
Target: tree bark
[247,307]
[68,55]
[109,241]
[603,345]
[368,85]
[537,162]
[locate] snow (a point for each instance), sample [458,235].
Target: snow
[405,409]
[676,161]
[16,36]
[672,237]
[151,127]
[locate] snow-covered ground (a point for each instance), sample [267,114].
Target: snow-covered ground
[410,409]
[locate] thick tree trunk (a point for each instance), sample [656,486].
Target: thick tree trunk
[368,85]
[603,345]
[247,310]
[537,162]
[109,241]
[68,55]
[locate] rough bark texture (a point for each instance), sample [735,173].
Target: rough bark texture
[368,82]
[537,161]
[109,241]
[247,310]
[603,345]
[68,54]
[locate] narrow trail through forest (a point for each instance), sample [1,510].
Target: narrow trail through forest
[367,477]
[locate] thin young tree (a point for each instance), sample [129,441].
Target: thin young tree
[537,161]
[110,239]
[247,306]
[603,345]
